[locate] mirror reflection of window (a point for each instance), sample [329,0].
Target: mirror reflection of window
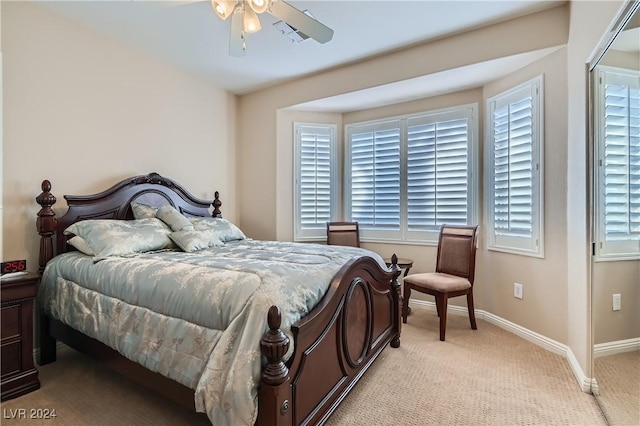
[618,164]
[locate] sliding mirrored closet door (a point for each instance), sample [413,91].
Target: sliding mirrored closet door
[614,80]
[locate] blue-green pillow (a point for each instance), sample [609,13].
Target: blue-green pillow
[110,237]
[143,211]
[172,217]
[81,245]
[223,229]
[192,240]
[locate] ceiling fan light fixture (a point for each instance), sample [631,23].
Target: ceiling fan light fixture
[237,41]
[251,22]
[296,24]
[223,8]
[258,6]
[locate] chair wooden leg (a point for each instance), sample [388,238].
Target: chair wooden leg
[443,315]
[438,307]
[472,312]
[405,302]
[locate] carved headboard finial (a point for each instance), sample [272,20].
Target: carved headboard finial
[216,205]
[154,177]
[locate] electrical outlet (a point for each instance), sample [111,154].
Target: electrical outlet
[617,302]
[517,290]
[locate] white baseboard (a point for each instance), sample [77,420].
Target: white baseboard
[584,382]
[616,347]
[587,384]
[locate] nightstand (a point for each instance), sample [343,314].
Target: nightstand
[19,375]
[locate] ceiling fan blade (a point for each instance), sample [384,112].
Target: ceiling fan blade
[237,44]
[300,21]
[175,3]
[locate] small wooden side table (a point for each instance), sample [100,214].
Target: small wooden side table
[405,264]
[19,374]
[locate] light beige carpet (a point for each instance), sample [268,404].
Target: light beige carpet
[618,379]
[483,377]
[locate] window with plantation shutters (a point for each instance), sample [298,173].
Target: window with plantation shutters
[407,176]
[315,180]
[618,164]
[438,171]
[514,156]
[375,176]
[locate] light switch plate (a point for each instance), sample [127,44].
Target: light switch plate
[617,302]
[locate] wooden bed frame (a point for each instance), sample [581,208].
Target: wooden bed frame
[334,344]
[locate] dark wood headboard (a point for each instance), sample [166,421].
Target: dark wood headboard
[114,203]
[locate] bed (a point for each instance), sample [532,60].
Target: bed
[303,347]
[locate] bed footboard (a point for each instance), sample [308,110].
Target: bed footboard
[334,345]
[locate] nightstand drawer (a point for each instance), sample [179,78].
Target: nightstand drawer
[10,322]
[11,358]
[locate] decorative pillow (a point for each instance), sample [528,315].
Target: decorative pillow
[110,237]
[143,211]
[224,230]
[81,244]
[172,217]
[193,240]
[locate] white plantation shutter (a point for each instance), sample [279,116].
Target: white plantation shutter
[513,162]
[438,172]
[375,176]
[314,179]
[513,169]
[406,177]
[619,164]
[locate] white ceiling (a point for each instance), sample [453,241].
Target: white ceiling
[188,34]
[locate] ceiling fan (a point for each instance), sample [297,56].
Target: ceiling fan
[244,19]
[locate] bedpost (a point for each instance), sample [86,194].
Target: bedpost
[274,394]
[397,300]
[46,224]
[216,205]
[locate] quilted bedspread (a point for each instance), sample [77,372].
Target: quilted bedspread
[196,318]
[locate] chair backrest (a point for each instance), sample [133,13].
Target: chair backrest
[457,251]
[343,234]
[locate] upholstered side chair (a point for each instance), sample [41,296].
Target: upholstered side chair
[454,274]
[343,234]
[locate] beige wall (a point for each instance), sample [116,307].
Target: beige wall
[611,278]
[1,141]
[589,21]
[85,112]
[618,58]
[542,307]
